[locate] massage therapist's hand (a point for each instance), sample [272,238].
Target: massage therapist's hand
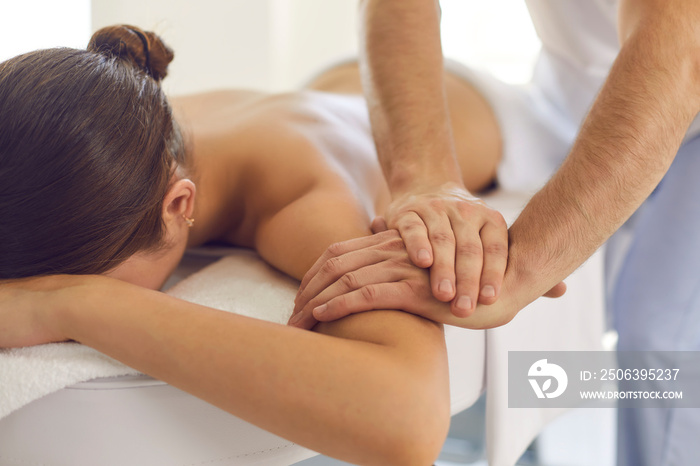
[461,239]
[372,272]
[31,308]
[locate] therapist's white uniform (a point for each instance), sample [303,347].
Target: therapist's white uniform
[655,297]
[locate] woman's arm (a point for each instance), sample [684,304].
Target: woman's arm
[368,397]
[286,242]
[373,389]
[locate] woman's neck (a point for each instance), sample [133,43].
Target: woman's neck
[210,124]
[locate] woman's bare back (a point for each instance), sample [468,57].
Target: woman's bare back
[273,148]
[267,150]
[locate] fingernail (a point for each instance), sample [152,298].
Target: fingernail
[423,255]
[445,286]
[320,309]
[488,291]
[464,303]
[296,318]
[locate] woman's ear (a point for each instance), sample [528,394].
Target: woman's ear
[178,204]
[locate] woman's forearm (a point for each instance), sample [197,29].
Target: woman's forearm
[350,399]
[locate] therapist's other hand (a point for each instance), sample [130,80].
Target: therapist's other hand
[461,239]
[372,272]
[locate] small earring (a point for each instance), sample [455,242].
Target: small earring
[188,221]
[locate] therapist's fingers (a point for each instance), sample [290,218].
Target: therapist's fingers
[468,267]
[367,298]
[382,272]
[494,242]
[442,272]
[415,234]
[338,267]
[344,247]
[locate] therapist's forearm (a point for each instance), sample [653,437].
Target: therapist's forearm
[402,74]
[625,146]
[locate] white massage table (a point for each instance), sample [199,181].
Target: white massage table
[138,421]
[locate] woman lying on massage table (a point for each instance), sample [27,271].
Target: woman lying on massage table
[97,201]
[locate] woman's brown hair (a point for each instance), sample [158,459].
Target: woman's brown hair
[88,147]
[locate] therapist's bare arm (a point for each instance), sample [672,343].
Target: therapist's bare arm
[443,225]
[625,146]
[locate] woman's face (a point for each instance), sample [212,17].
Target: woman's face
[152,269]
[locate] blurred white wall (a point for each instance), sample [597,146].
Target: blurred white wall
[496,35]
[263,44]
[27,25]
[272,45]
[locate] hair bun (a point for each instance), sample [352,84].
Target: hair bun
[143,49]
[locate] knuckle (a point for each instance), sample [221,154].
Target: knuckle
[321,260]
[498,249]
[442,237]
[332,266]
[392,244]
[465,208]
[469,249]
[350,281]
[467,283]
[417,288]
[497,218]
[436,204]
[387,235]
[335,249]
[368,294]
[395,244]
[411,226]
[400,262]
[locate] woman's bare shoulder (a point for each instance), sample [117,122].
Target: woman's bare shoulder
[217,108]
[229,96]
